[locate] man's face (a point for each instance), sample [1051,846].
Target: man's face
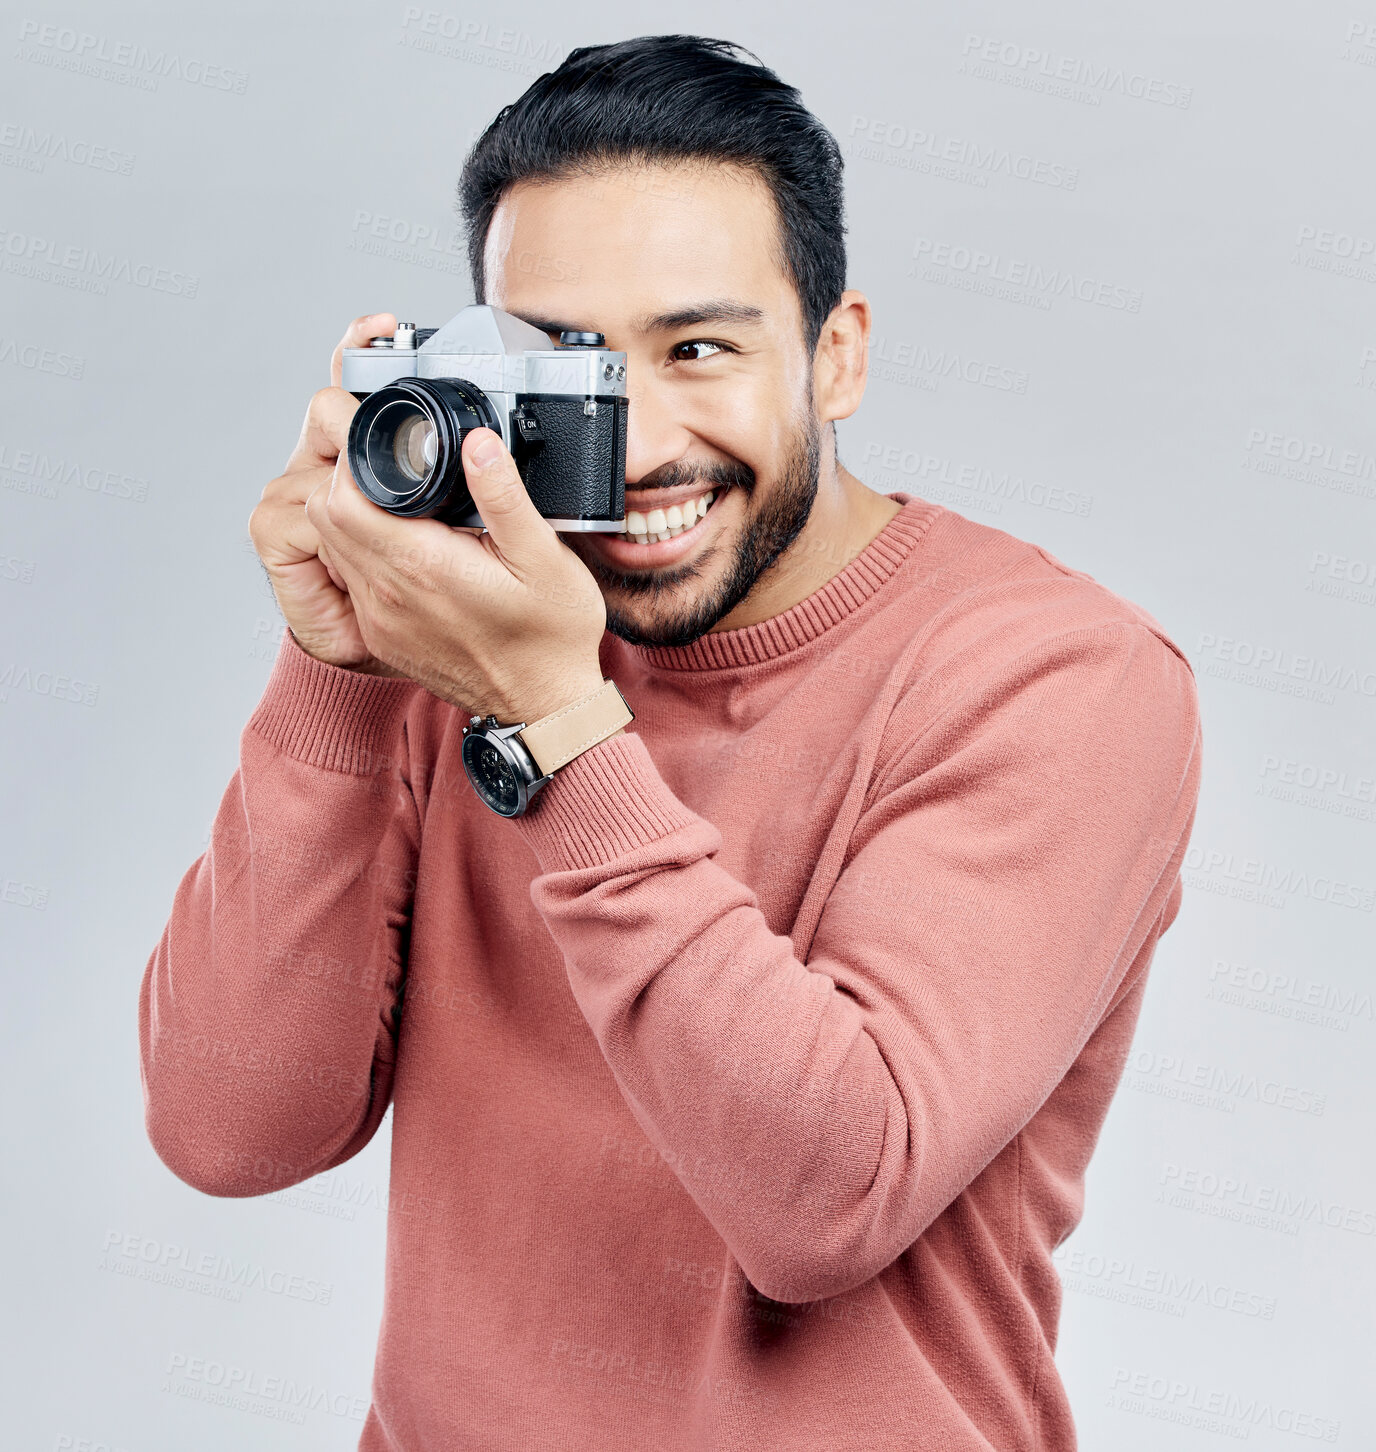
[680,269]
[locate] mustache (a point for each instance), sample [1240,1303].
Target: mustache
[713,475]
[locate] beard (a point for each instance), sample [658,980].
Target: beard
[763,540]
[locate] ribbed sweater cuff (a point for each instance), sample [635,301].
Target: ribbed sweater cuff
[602,805]
[328,716]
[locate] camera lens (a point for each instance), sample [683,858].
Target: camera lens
[404,445]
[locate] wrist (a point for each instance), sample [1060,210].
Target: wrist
[538,706]
[509,764]
[370,665]
[374,667]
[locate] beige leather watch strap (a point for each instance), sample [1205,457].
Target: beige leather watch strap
[555,740]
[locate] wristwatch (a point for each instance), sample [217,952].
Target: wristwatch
[509,764]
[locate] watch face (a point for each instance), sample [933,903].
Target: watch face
[492,775]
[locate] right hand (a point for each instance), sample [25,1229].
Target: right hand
[311,596]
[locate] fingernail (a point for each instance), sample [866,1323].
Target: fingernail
[485,451]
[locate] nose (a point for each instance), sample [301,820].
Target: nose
[654,437]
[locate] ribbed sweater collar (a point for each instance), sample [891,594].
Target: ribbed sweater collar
[828,605]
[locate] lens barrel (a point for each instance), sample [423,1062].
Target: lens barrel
[404,445]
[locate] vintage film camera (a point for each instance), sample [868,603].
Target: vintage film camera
[561,411]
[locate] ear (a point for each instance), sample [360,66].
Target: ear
[841,363]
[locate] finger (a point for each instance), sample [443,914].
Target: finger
[343,516]
[279,527]
[325,431]
[295,487]
[523,536]
[362,536]
[328,561]
[359,334]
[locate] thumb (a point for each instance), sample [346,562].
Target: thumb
[520,532]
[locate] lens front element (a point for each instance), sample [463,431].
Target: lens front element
[415,446]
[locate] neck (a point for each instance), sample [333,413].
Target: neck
[845,518]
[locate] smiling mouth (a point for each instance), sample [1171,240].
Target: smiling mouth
[656,525]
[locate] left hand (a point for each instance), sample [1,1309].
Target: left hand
[504,623]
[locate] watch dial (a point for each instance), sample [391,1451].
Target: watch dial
[492,775]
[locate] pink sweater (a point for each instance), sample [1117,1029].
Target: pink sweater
[744,1088]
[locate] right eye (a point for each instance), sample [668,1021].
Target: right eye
[676,352]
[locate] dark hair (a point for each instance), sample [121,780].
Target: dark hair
[668,98]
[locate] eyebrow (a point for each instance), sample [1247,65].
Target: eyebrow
[719,310]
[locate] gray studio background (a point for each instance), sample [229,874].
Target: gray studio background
[1123,265]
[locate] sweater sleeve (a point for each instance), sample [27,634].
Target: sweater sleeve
[268,1010]
[1015,849]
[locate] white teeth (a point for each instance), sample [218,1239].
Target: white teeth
[661,524]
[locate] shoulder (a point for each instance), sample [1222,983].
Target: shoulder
[1010,638]
[992,597]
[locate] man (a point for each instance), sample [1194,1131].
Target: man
[745,1083]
